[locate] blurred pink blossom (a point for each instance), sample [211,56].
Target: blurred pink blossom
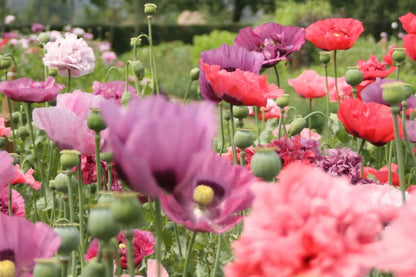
[9,19]
[109,57]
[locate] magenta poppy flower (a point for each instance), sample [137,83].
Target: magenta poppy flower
[28,90]
[23,241]
[18,202]
[309,84]
[66,124]
[228,58]
[69,53]
[153,140]
[112,90]
[334,33]
[273,40]
[230,185]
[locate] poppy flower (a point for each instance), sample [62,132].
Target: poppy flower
[66,124]
[18,202]
[409,22]
[309,84]
[22,242]
[7,170]
[112,90]
[334,33]
[4,131]
[273,40]
[344,89]
[228,58]
[409,45]
[370,121]
[240,87]
[26,178]
[153,140]
[272,110]
[230,186]
[372,68]
[382,175]
[28,90]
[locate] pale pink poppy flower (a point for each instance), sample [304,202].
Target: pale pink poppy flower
[66,124]
[104,46]
[152,270]
[108,57]
[309,84]
[309,224]
[70,53]
[7,170]
[78,31]
[23,241]
[18,202]
[113,90]
[54,35]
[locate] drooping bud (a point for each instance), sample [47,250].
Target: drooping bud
[283,101]
[194,73]
[138,69]
[95,121]
[353,76]
[266,163]
[296,126]
[135,41]
[125,98]
[203,195]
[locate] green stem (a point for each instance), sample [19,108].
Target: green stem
[310,118]
[188,255]
[188,88]
[10,105]
[276,72]
[69,81]
[282,115]
[327,93]
[158,221]
[81,214]
[152,58]
[130,255]
[395,111]
[111,69]
[70,197]
[97,138]
[222,128]
[10,200]
[398,65]
[335,76]
[45,69]
[232,134]
[256,121]
[217,256]
[175,227]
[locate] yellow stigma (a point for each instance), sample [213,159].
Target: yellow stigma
[7,269]
[203,195]
[121,246]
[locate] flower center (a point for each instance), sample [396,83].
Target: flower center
[7,269]
[203,195]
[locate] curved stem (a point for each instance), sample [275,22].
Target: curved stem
[175,227]
[188,255]
[276,72]
[152,58]
[111,69]
[130,255]
[313,113]
[188,88]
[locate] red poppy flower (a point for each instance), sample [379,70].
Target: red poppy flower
[409,22]
[370,121]
[334,33]
[309,84]
[382,174]
[240,87]
[372,68]
[409,44]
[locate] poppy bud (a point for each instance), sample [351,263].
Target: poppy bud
[227,115]
[395,92]
[5,62]
[15,117]
[138,69]
[243,138]
[266,163]
[240,112]
[70,237]
[398,55]
[94,269]
[22,132]
[43,37]
[125,98]
[126,208]
[296,126]
[135,41]
[101,223]
[353,76]
[69,158]
[107,156]
[95,121]
[203,195]
[283,101]
[150,8]
[62,182]
[52,71]
[324,57]
[46,268]
[194,74]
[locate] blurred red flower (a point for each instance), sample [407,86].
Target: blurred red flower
[373,68]
[382,175]
[409,22]
[334,33]
[370,121]
[409,44]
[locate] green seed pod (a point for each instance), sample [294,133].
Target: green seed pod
[95,121]
[135,41]
[70,237]
[227,115]
[94,269]
[22,132]
[52,71]
[324,57]
[396,92]
[296,126]
[266,163]
[107,156]
[62,182]
[150,8]
[43,37]
[353,76]
[398,55]
[240,112]
[46,268]
[15,117]
[283,101]
[194,73]
[101,223]
[138,69]
[5,62]
[243,138]
[126,208]
[69,158]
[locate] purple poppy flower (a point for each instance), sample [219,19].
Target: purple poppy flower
[112,90]
[230,185]
[28,90]
[229,58]
[22,242]
[411,130]
[66,124]
[153,140]
[273,40]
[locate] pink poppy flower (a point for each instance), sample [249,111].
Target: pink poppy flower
[28,90]
[113,90]
[309,84]
[344,89]
[153,140]
[108,57]
[18,202]
[4,131]
[23,241]
[373,68]
[382,175]
[66,124]
[37,27]
[7,170]
[26,178]
[69,53]
[230,185]
[309,224]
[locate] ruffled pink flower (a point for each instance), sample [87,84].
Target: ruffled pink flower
[113,90]
[18,202]
[230,185]
[4,131]
[26,178]
[108,57]
[70,53]
[309,224]
[309,84]
[374,68]
[66,124]
[28,90]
